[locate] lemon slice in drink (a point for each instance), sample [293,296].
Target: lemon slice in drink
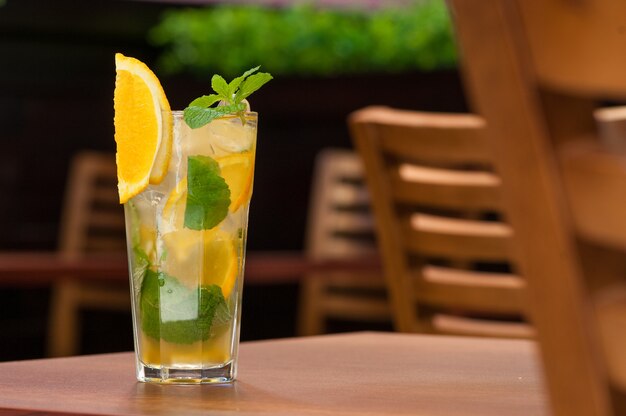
[201,258]
[143,127]
[238,172]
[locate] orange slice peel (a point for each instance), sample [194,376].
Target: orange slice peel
[143,127]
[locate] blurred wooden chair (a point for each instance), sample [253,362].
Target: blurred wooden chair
[340,226]
[438,214]
[92,221]
[535,70]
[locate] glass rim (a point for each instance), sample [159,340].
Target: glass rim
[179,113]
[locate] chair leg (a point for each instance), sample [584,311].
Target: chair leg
[311,320]
[63,326]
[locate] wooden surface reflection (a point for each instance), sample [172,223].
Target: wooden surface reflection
[354,374]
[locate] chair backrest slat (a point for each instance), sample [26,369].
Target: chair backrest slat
[437,201]
[440,133]
[446,188]
[340,221]
[92,218]
[466,289]
[340,227]
[458,239]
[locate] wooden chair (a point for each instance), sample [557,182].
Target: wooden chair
[438,214]
[92,221]
[340,226]
[535,70]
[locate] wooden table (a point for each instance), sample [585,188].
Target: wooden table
[350,374]
[262,267]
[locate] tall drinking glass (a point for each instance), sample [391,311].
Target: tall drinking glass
[186,245]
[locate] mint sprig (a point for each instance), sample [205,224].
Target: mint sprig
[231,95]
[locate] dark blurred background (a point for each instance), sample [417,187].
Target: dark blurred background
[57,77]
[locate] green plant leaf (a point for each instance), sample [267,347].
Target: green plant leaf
[199,112]
[149,305]
[234,84]
[208,195]
[196,117]
[251,84]
[205,101]
[303,40]
[220,86]
[175,313]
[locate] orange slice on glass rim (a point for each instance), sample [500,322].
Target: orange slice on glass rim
[143,127]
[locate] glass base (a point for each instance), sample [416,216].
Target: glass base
[213,375]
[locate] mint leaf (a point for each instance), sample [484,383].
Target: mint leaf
[196,117]
[199,112]
[175,313]
[234,84]
[208,196]
[220,86]
[222,315]
[149,305]
[205,101]
[251,84]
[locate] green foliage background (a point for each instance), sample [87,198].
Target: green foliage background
[304,40]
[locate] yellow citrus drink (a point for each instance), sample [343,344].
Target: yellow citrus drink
[185,179]
[186,261]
